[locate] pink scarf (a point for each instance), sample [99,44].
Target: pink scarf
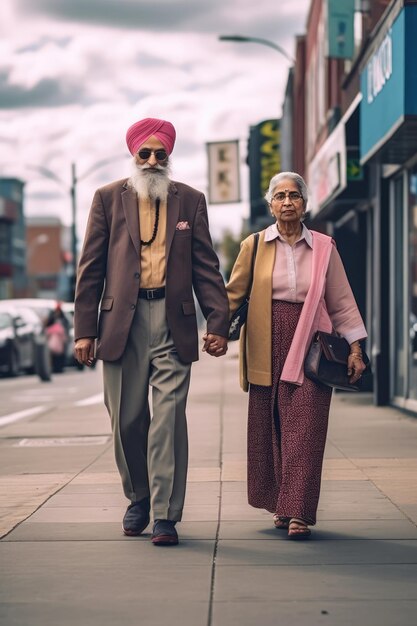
[314,315]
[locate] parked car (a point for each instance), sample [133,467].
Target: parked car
[44,307]
[9,345]
[22,342]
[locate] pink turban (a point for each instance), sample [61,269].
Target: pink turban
[139,132]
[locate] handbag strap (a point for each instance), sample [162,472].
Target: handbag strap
[254,251]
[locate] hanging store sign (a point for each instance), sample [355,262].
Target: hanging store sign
[379,68]
[389,84]
[264,157]
[264,160]
[354,171]
[327,171]
[224,178]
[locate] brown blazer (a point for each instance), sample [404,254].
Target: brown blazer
[109,271]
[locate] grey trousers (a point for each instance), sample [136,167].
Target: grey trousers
[151,450]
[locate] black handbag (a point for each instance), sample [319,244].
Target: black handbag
[327,359]
[240,315]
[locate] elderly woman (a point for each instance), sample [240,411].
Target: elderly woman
[299,286]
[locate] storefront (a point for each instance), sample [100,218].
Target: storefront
[388,147]
[339,199]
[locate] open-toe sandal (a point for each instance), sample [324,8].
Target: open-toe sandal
[281,523]
[298,529]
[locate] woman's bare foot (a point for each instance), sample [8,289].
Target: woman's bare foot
[298,529]
[281,523]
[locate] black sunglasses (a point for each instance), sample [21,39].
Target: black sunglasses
[160,155]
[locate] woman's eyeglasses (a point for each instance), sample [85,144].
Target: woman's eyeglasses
[160,155]
[294,196]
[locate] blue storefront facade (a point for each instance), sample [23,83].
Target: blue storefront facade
[388,149]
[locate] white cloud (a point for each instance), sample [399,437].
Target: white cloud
[70,85]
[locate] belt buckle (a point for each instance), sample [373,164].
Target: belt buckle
[149,294]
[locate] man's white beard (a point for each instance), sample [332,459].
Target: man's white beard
[150,183]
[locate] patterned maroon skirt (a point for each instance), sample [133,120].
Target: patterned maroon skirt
[287,427]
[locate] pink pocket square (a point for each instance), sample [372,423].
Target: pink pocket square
[182,226]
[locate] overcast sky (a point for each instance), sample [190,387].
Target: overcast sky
[74,74]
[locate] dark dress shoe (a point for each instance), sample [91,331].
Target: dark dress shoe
[164,533]
[136,518]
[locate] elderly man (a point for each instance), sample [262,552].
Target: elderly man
[147,245]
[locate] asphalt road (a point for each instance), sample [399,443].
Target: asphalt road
[27,393]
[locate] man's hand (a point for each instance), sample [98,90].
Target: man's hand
[84,351]
[215,345]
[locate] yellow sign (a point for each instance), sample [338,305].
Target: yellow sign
[353,169]
[270,158]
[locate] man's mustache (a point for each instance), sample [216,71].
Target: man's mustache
[153,168]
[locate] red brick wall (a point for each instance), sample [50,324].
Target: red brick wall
[43,258]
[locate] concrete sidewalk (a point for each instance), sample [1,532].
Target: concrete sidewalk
[68,562]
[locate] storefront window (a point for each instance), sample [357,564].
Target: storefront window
[400,351]
[413,282]
[5,243]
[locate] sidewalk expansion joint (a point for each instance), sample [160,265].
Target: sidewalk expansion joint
[65,484]
[216,541]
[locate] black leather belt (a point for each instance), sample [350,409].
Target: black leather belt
[152,294]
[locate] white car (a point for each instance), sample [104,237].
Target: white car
[30,352]
[43,307]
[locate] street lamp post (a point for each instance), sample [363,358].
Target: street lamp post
[264,42]
[73,194]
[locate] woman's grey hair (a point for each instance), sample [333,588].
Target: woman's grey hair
[299,181]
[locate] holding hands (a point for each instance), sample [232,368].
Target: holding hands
[215,345]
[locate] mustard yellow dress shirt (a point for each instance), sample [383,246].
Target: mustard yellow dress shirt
[152,257]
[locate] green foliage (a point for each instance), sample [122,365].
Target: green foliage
[229,247]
